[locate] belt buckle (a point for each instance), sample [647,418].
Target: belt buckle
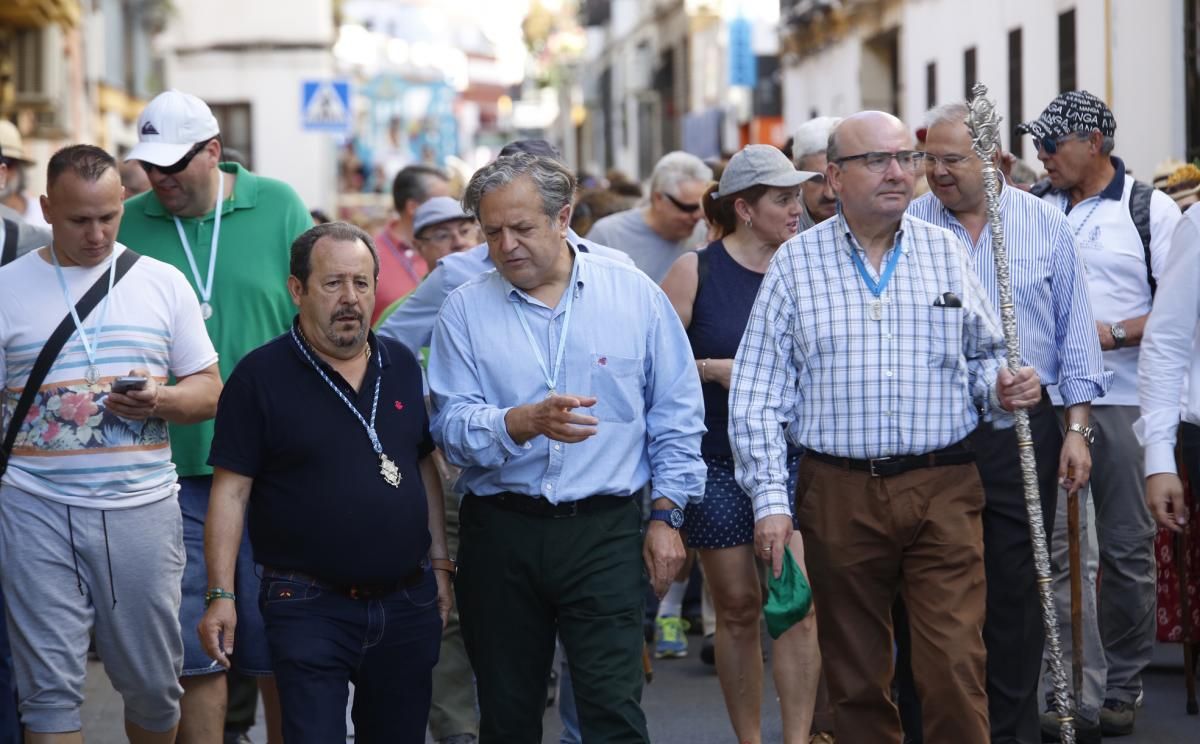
[572,511]
[876,461]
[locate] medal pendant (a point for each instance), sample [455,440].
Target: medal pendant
[389,471]
[206,310]
[92,375]
[875,310]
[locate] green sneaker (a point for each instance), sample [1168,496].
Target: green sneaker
[670,637]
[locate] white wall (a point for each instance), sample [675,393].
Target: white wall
[1146,50]
[203,23]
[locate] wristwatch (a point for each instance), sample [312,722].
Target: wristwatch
[1118,333]
[673,517]
[1087,432]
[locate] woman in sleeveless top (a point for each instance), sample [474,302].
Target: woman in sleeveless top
[756,207]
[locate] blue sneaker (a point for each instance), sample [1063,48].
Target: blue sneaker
[670,637]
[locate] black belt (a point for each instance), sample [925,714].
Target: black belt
[354,591]
[883,467]
[536,506]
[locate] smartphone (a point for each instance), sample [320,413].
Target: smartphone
[125,384]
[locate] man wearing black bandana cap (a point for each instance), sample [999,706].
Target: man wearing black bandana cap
[1123,231]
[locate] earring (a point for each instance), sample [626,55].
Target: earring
[749,224]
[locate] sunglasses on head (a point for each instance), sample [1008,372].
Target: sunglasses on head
[180,165]
[682,207]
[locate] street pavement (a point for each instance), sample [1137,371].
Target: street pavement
[683,704]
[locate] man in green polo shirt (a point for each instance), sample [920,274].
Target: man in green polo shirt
[230,232]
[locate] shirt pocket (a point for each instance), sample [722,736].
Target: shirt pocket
[618,385]
[945,336]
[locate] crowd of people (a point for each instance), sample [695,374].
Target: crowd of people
[246,452]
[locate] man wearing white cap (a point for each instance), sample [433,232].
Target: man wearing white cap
[230,232]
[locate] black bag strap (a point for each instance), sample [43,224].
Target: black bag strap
[54,345]
[9,254]
[1139,210]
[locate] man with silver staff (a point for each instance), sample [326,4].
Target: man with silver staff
[1058,338]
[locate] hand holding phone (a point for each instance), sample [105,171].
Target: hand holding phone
[125,384]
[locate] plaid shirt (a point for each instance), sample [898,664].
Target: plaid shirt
[814,367]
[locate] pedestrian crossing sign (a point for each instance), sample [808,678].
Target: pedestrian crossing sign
[325,105]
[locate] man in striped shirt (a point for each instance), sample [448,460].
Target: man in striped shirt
[1058,338]
[873,346]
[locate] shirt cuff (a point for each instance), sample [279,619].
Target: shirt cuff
[1160,458]
[771,500]
[1083,389]
[675,498]
[507,443]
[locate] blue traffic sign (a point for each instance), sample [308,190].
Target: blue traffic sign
[325,106]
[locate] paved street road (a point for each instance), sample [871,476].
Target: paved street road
[684,705]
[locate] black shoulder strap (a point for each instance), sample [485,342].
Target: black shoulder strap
[9,254]
[52,348]
[1040,188]
[701,268]
[1139,210]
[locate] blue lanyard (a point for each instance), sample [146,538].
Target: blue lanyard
[551,377]
[89,348]
[370,427]
[876,287]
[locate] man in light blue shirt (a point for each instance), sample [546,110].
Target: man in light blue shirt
[561,383]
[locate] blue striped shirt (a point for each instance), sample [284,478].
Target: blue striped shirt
[625,346]
[813,361]
[1050,294]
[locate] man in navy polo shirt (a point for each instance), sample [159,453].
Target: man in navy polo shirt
[324,434]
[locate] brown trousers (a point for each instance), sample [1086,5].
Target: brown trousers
[920,535]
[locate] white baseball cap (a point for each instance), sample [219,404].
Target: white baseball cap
[170,125]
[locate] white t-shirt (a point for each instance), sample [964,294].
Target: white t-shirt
[71,449]
[1115,262]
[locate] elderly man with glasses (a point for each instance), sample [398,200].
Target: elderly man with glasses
[808,154]
[874,347]
[230,232]
[1058,338]
[1123,230]
[660,231]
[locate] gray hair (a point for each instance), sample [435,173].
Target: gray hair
[676,167]
[947,113]
[553,181]
[812,138]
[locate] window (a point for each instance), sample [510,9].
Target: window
[969,73]
[1191,74]
[931,85]
[30,63]
[1066,51]
[237,132]
[1015,92]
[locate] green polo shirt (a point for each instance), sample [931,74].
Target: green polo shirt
[250,300]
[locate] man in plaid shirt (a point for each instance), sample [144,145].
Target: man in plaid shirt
[873,346]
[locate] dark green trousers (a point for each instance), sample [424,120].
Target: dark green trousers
[523,579]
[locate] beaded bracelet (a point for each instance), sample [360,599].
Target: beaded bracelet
[217,593]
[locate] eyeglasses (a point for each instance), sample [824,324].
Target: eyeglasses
[464,229]
[1050,144]
[877,162]
[682,207]
[180,165]
[950,161]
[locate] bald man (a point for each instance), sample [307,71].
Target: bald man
[873,341]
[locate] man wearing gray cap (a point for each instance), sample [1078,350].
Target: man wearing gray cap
[1122,229]
[230,232]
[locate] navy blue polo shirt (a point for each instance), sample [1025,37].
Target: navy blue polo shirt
[319,504]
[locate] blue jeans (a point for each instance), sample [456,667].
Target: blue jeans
[321,641]
[10,727]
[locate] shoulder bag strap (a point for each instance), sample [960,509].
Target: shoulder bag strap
[9,254]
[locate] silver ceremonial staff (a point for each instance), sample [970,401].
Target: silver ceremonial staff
[984,123]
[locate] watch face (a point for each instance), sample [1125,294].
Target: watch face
[677,518]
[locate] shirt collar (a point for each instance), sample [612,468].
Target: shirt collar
[851,243]
[1116,187]
[244,196]
[378,350]
[511,291]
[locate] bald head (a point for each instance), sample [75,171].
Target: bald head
[850,132]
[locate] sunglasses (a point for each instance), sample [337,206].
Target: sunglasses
[1050,144]
[682,207]
[180,165]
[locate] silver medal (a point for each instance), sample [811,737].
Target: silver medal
[875,310]
[389,471]
[206,310]
[92,375]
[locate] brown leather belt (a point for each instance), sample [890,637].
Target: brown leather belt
[884,467]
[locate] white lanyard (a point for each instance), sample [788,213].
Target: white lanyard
[550,376]
[92,375]
[204,289]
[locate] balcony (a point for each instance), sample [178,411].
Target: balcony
[38,13]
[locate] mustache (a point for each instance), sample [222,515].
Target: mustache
[346,313]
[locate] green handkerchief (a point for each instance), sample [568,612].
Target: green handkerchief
[789,598]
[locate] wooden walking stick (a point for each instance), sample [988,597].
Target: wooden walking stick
[984,123]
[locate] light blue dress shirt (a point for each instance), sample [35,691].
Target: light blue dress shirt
[412,322]
[625,346]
